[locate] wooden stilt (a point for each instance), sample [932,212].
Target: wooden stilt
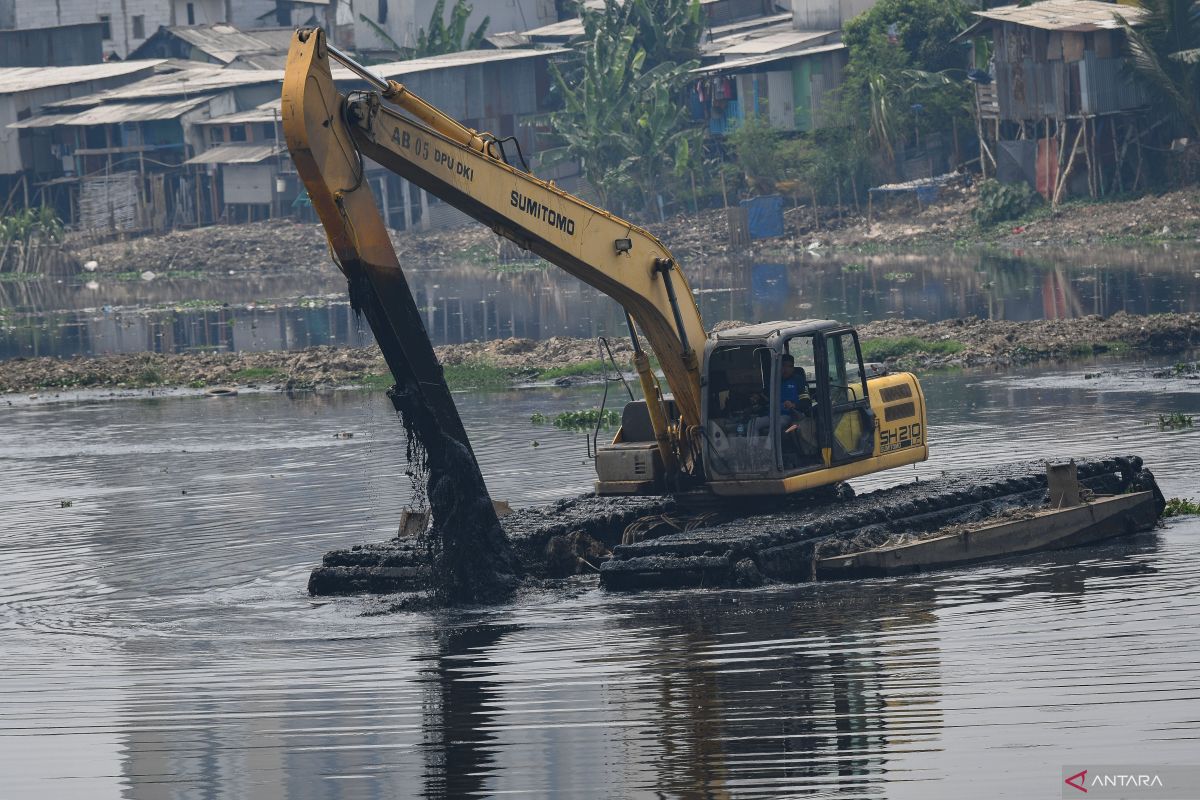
[1120,157]
[1137,140]
[979,132]
[1062,178]
[1087,156]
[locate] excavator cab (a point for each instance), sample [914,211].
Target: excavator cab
[812,416]
[785,406]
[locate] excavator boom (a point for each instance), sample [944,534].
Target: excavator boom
[728,431]
[328,135]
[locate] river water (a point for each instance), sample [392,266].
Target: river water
[95,314]
[158,643]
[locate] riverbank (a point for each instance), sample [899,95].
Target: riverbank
[285,246]
[903,344]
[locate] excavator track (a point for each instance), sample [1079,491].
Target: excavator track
[731,547]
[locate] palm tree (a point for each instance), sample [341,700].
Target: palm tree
[1164,51]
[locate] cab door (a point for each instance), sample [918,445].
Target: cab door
[847,421]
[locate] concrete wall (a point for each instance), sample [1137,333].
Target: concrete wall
[246,15]
[816,15]
[21,14]
[61,46]
[405,18]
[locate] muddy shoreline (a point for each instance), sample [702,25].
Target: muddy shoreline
[904,344]
[285,246]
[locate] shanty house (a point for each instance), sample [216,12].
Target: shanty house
[1054,91]
[245,161]
[789,89]
[24,91]
[237,155]
[223,45]
[122,151]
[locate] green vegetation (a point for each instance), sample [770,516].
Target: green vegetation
[441,37]
[477,375]
[1181,370]
[1179,506]
[65,503]
[1003,202]
[378,380]
[1174,421]
[593,366]
[517,267]
[198,304]
[853,268]
[149,377]
[904,76]
[580,419]
[1090,349]
[483,255]
[621,117]
[898,277]
[23,236]
[886,348]
[1163,51]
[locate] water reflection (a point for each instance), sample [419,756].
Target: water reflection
[459,692]
[160,644]
[471,303]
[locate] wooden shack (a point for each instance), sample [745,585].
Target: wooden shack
[1060,97]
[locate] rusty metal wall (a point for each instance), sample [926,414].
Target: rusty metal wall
[1030,86]
[1106,87]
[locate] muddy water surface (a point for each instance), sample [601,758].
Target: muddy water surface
[97,314]
[156,640]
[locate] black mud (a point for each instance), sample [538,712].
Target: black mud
[677,543]
[466,556]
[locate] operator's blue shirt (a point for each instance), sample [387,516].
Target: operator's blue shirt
[790,389]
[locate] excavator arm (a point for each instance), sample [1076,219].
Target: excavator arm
[329,134]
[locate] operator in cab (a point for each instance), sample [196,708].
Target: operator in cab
[799,430]
[793,390]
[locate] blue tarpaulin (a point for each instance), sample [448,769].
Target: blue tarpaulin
[764,216]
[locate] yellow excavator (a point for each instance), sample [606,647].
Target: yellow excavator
[766,409]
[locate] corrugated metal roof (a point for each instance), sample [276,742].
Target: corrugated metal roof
[743,25]
[1065,15]
[557,31]
[236,154]
[775,42]
[267,112]
[733,65]
[200,79]
[258,61]
[507,39]
[116,113]
[222,42]
[24,79]
[460,59]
